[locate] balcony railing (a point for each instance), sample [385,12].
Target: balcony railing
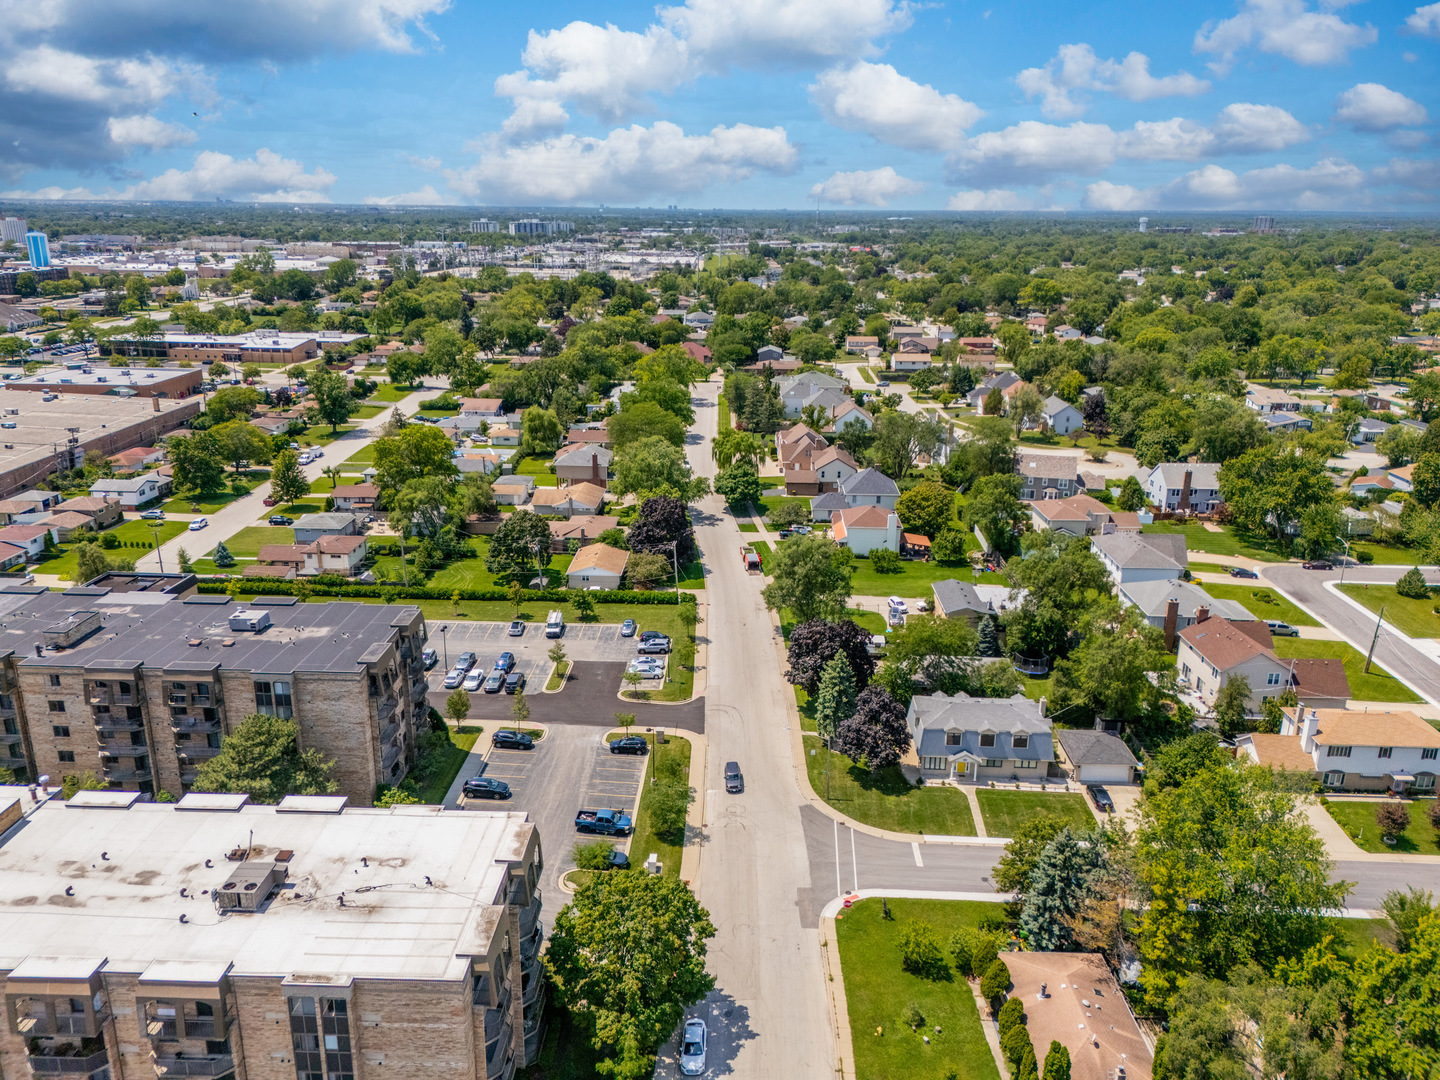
[194,725]
[417,691]
[389,731]
[65,1024]
[74,1064]
[391,755]
[99,696]
[387,707]
[123,776]
[10,736]
[111,722]
[115,748]
[209,1065]
[189,754]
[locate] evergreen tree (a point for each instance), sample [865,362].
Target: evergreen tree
[989,639]
[835,700]
[1412,584]
[1059,887]
[221,557]
[1057,1062]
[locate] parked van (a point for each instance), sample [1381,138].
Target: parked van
[554,624]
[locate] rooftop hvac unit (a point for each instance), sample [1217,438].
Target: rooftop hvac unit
[251,620]
[249,886]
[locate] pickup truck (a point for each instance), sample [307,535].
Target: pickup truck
[604,822]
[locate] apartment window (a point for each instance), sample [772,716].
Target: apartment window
[1337,751]
[1334,779]
[305,1039]
[54,680]
[62,731]
[67,756]
[57,706]
[1430,753]
[1384,751]
[987,739]
[954,738]
[1020,742]
[273,699]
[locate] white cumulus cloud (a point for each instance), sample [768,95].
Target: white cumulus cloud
[426,196]
[1286,28]
[1031,150]
[1332,183]
[1373,107]
[1074,69]
[1240,129]
[1424,21]
[872,187]
[894,109]
[628,164]
[148,131]
[1104,195]
[748,33]
[267,177]
[991,199]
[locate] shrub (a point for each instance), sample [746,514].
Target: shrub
[1392,817]
[920,952]
[1365,557]
[1412,584]
[1012,1014]
[592,856]
[995,981]
[1433,813]
[1013,1045]
[885,561]
[974,950]
[914,1017]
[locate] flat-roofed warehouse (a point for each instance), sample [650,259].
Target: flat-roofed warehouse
[258,346]
[37,440]
[116,382]
[306,941]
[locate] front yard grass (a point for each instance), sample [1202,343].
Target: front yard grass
[879,992]
[1005,811]
[1229,542]
[770,503]
[1262,602]
[724,416]
[136,537]
[462,741]
[912,581]
[389,392]
[539,470]
[886,799]
[245,545]
[645,840]
[748,527]
[1379,685]
[1412,617]
[1386,554]
[1357,818]
[209,504]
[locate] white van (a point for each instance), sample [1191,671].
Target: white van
[555,624]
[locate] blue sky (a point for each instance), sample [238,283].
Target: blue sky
[967,105]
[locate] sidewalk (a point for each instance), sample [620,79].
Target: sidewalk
[1338,844]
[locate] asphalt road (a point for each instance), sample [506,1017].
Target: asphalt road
[1393,650]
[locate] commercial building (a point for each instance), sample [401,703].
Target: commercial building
[134,681]
[303,941]
[177,383]
[536,227]
[13,230]
[484,225]
[10,274]
[257,347]
[38,248]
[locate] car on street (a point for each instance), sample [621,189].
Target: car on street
[466,661]
[630,744]
[495,682]
[627,628]
[692,1047]
[153,515]
[198,524]
[429,657]
[505,662]
[454,677]
[514,682]
[734,779]
[281,519]
[511,740]
[474,678]
[1101,798]
[482,787]
[517,628]
[1318,564]
[270,500]
[659,645]
[1282,629]
[1240,571]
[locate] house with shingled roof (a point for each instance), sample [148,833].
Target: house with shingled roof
[1346,750]
[1212,651]
[1136,556]
[974,739]
[864,529]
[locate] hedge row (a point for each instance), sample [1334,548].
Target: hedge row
[340,588]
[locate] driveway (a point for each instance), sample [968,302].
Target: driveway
[590,698]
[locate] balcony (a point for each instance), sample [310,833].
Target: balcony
[99,696]
[389,731]
[115,748]
[195,754]
[497,1052]
[69,1060]
[8,712]
[209,1065]
[194,725]
[391,756]
[10,736]
[116,774]
[494,1018]
[65,1024]
[387,707]
[111,722]
[417,691]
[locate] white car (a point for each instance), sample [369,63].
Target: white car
[475,678]
[692,1048]
[898,606]
[198,524]
[305,458]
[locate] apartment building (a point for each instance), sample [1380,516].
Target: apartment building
[140,686]
[221,940]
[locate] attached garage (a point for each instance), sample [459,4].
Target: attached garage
[1095,757]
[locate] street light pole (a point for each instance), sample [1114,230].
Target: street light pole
[445,644]
[1344,562]
[158,555]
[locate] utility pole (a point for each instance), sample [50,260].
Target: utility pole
[1370,655]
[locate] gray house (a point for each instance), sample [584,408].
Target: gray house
[311,527]
[959,600]
[976,739]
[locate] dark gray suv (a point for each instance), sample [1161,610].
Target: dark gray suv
[734,780]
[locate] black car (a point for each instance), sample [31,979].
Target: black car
[514,682]
[466,661]
[734,781]
[1319,564]
[1101,798]
[512,740]
[506,661]
[481,787]
[660,645]
[618,860]
[630,744]
[281,519]
[1240,571]
[650,635]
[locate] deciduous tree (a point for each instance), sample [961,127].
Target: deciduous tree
[334,404]
[261,758]
[811,577]
[521,542]
[876,732]
[927,508]
[287,483]
[814,643]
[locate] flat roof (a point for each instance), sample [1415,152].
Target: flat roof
[41,426]
[140,377]
[418,886]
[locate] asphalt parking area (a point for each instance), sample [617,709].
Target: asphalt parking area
[591,697]
[614,779]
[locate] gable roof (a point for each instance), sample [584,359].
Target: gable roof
[864,517]
[1049,466]
[869,482]
[1144,551]
[1085,747]
[1204,475]
[1223,644]
[599,557]
[584,454]
[1342,727]
[337,545]
[335,519]
[1278,751]
[831,500]
[1017,714]
[586,494]
[1055,405]
[952,595]
[1321,677]
[1153,597]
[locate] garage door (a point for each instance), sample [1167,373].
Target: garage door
[1105,774]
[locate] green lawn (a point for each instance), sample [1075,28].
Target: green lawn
[867,374]
[645,841]
[1414,618]
[539,470]
[1262,602]
[749,527]
[209,504]
[131,533]
[1005,811]
[767,554]
[1229,542]
[912,581]
[362,459]
[462,741]
[244,545]
[1358,821]
[879,992]
[366,412]
[1208,568]
[770,503]
[692,576]
[389,392]
[1379,685]
[1355,936]
[887,800]
[724,418]
[1386,554]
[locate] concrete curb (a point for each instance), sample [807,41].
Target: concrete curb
[835,992]
[551,674]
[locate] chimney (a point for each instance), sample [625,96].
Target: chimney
[1201,614]
[1309,728]
[1172,616]
[1043,703]
[1185,491]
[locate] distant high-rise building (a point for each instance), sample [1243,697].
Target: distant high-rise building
[1263,225]
[536,227]
[1144,224]
[39,249]
[484,225]
[12,229]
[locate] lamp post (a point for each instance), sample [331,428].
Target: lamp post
[1345,561]
[445,644]
[156,529]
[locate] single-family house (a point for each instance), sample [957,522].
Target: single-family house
[1214,651]
[132,492]
[513,490]
[1131,557]
[769,354]
[597,566]
[355,498]
[1403,477]
[504,435]
[825,469]
[868,487]
[796,390]
[1184,487]
[38,500]
[1370,483]
[960,600]
[1048,476]
[1080,515]
[1368,430]
[863,529]
[104,512]
[699,320]
[827,399]
[1353,751]
[1007,382]
[289,556]
[1267,399]
[862,344]
[482,408]
[64,524]
[1061,417]
[1171,605]
[1064,332]
[584,464]
[1287,421]
[14,511]
[311,527]
[275,423]
[589,435]
[850,413]
[341,555]
[12,557]
[1095,757]
[696,351]
[28,538]
[136,458]
[971,739]
[584,528]
[568,501]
